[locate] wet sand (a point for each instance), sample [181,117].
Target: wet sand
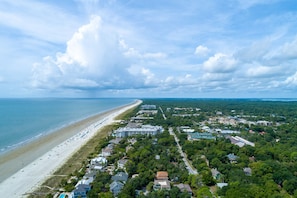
[24,168]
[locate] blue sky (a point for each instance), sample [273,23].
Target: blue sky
[156,48]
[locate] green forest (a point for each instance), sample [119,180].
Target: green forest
[266,169]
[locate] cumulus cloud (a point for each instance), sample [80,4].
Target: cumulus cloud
[94,59]
[220,63]
[201,51]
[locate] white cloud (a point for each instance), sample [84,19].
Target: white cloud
[133,53]
[261,71]
[220,63]
[254,52]
[201,51]
[286,51]
[216,76]
[291,80]
[38,20]
[94,58]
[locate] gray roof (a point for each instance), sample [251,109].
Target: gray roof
[120,176]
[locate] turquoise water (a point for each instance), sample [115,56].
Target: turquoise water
[22,120]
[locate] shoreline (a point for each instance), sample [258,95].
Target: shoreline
[25,168]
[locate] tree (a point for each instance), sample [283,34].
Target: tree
[207,178]
[203,192]
[290,185]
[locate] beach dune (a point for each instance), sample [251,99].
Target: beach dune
[24,169]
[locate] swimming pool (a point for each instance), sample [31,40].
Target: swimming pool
[62,195]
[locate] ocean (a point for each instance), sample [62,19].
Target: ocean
[23,120]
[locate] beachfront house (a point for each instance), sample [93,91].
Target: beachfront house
[81,191]
[107,151]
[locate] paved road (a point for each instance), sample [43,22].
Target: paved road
[163,113]
[189,166]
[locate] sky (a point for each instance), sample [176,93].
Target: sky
[156,48]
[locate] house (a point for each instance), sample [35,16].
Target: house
[88,178]
[162,175]
[247,171]
[80,191]
[116,187]
[184,188]
[187,129]
[98,160]
[161,185]
[120,176]
[161,181]
[232,158]
[107,151]
[122,163]
[206,129]
[221,185]
[215,173]
[115,141]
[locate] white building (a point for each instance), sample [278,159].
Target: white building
[143,130]
[239,141]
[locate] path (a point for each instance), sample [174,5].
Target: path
[189,166]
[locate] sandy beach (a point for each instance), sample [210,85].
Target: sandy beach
[24,169]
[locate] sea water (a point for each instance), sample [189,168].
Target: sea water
[22,120]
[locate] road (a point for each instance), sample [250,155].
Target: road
[189,166]
[163,113]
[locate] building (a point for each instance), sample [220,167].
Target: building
[240,141]
[247,171]
[226,131]
[184,188]
[120,176]
[201,136]
[148,107]
[232,158]
[161,182]
[107,151]
[142,130]
[221,185]
[162,175]
[116,187]
[215,174]
[80,191]
[122,163]
[161,185]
